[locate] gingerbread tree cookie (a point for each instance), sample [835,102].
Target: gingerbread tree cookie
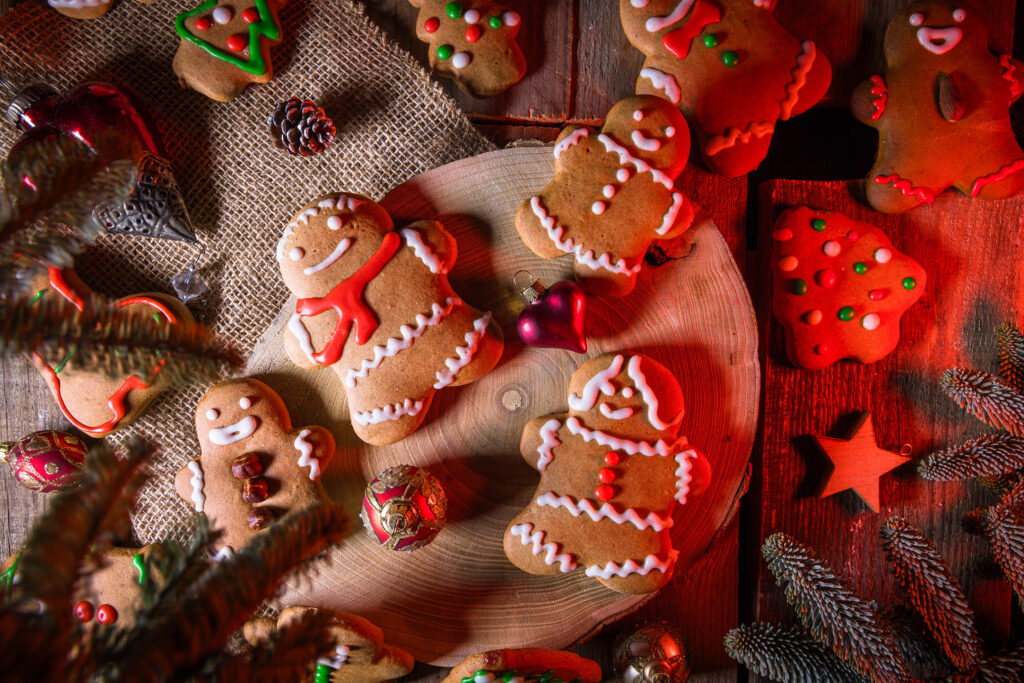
[730,68]
[90,399]
[225,46]
[611,471]
[374,304]
[612,195]
[839,288]
[359,654]
[942,111]
[472,42]
[254,467]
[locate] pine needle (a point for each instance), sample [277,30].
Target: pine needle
[289,654]
[988,455]
[933,591]
[786,655]
[1010,353]
[1003,527]
[924,656]
[1005,667]
[986,397]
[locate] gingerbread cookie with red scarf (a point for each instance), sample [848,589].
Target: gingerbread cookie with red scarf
[374,304]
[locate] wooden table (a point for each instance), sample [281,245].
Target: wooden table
[580,64]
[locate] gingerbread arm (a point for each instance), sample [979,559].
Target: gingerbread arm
[681,210]
[432,244]
[868,100]
[540,438]
[314,448]
[1013,73]
[189,484]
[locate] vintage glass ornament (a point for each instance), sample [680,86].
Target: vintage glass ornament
[653,652]
[404,508]
[45,461]
[553,318]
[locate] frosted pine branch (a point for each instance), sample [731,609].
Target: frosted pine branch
[1010,352]
[987,397]
[988,455]
[786,655]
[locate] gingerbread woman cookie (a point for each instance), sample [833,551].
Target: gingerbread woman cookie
[612,195]
[374,304]
[359,654]
[525,665]
[839,288]
[472,42]
[612,469]
[225,46]
[730,68]
[91,400]
[942,111]
[254,467]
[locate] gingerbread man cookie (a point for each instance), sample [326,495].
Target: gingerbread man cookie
[730,68]
[840,288]
[472,42]
[612,469]
[612,195]
[91,400]
[942,111]
[359,654]
[81,9]
[525,665]
[225,46]
[254,467]
[374,304]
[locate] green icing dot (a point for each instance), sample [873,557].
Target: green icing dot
[495,22]
[798,287]
[710,40]
[730,58]
[860,267]
[818,224]
[444,52]
[909,283]
[845,313]
[453,10]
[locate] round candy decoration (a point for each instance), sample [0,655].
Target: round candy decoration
[651,653]
[404,508]
[45,461]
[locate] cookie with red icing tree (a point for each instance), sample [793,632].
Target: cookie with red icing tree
[612,469]
[472,42]
[612,195]
[839,288]
[942,110]
[731,69]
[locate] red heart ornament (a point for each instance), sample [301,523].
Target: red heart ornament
[557,319]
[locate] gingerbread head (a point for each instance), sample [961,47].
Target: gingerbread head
[254,467]
[375,305]
[612,469]
[612,195]
[941,110]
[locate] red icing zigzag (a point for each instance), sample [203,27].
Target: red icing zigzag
[1008,74]
[922,194]
[881,96]
[999,175]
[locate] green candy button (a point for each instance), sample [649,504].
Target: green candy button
[845,313]
[730,58]
[909,283]
[453,10]
[710,40]
[818,224]
[799,287]
[444,52]
[495,22]
[860,267]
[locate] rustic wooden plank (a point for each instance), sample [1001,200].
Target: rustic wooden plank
[607,64]
[975,282]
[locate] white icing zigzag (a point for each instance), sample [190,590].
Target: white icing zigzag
[683,476]
[660,447]
[198,498]
[394,411]
[301,334]
[526,533]
[424,253]
[396,344]
[555,233]
[647,394]
[662,81]
[600,382]
[606,511]
[651,563]
[463,354]
[571,140]
[549,433]
[306,458]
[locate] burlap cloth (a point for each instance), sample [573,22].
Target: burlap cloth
[392,122]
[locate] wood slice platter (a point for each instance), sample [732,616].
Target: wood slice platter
[460,595]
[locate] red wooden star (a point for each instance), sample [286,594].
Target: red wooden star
[857,462]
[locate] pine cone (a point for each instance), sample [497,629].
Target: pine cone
[301,127]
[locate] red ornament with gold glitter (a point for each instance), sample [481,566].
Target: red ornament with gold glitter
[45,461]
[404,508]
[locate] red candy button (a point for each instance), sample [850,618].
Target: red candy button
[472,33]
[237,42]
[106,614]
[431,24]
[606,475]
[876,294]
[604,492]
[251,15]
[83,611]
[611,458]
[202,24]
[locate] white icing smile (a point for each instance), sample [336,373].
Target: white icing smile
[243,429]
[939,41]
[342,247]
[616,414]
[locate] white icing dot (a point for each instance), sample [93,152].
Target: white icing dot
[638,115]
[622,175]
[471,16]
[608,191]
[222,15]
[959,15]
[334,223]
[670,132]
[460,60]
[883,255]
[510,19]
[245,403]
[598,207]
[831,248]
[627,392]
[916,19]
[871,321]
[212,414]
[639,3]
[296,253]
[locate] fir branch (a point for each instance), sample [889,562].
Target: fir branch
[918,648]
[174,639]
[988,455]
[1003,527]
[933,590]
[1010,353]
[785,655]
[289,654]
[986,397]
[1005,667]
[832,612]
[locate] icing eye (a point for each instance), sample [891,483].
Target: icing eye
[959,15]
[916,19]
[296,254]
[627,392]
[334,223]
[622,175]
[245,403]
[670,132]
[638,115]
[212,414]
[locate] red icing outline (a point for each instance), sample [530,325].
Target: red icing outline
[881,94]
[906,188]
[1009,67]
[346,299]
[678,41]
[1001,174]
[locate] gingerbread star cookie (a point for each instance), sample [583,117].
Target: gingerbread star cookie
[730,68]
[374,305]
[942,111]
[254,466]
[839,288]
[611,471]
[612,195]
